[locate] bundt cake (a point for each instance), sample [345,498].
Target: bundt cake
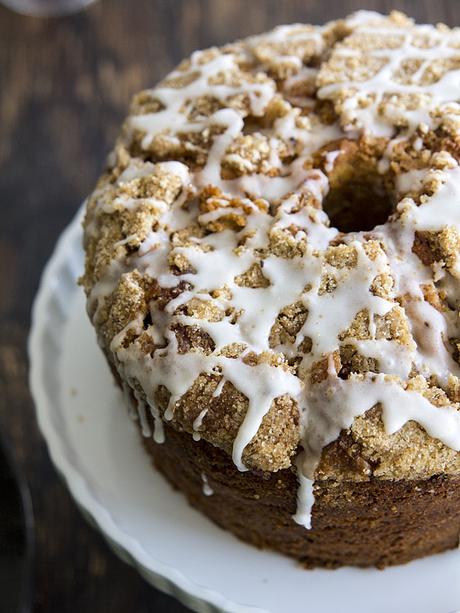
[273,272]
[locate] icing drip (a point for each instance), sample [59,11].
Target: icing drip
[158,432]
[207,489]
[142,413]
[305,495]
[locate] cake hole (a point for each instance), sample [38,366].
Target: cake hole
[359,197]
[147,321]
[358,205]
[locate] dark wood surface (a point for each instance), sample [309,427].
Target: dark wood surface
[64,87]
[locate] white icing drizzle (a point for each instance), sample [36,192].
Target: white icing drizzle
[363,105]
[351,296]
[198,421]
[142,413]
[173,121]
[207,489]
[158,432]
[132,406]
[347,399]
[305,495]
[217,392]
[411,180]
[218,259]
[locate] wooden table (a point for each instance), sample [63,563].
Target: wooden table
[64,88]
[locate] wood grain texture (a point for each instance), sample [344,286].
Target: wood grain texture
[64,88]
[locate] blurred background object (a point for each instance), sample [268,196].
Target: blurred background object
[16,536]
[46,8]
[65,86]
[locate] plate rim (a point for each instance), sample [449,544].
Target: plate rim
[162,575]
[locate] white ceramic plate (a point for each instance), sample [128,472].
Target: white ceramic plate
[95,446]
